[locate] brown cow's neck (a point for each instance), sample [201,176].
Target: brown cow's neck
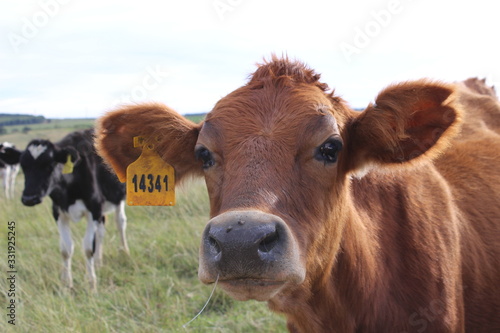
[353,285]
[345,282]
[354,279]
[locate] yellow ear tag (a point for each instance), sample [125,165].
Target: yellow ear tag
[68,166]
[150,180]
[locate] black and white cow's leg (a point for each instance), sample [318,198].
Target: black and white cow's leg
[14,170]
[8,183]
[5,174]
[67,247]
[121,223]
[89,245]
[99,241]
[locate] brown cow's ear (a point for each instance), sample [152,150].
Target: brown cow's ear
[409,121]
[174,137]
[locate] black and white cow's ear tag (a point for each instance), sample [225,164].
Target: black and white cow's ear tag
[150,180]
[68,166]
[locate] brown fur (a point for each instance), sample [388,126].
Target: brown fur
[402,234]
[117,130]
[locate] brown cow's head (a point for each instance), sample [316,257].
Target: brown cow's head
[277,155]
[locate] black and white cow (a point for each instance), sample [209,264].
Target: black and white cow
[89,191]
[9,167]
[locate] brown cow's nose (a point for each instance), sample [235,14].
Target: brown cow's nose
[249,245]
[253,240]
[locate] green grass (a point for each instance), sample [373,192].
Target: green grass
[156,289]
[55,129]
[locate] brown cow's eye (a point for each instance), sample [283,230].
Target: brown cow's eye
[205,156]
[329,150]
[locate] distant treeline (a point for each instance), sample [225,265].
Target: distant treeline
[20,119]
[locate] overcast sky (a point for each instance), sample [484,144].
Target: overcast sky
[80,58]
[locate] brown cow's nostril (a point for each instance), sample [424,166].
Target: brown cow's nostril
[269,242]
[214,246]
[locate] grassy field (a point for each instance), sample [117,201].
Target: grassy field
[155,289]
[54,130]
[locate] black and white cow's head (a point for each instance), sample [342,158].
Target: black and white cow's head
[9,154]
[42,163]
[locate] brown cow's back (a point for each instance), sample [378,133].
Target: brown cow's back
[481,109]
[472,169]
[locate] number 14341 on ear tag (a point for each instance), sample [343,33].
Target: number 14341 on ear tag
[150,180]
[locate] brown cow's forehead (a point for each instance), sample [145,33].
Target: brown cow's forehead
[311,131]
[279,113]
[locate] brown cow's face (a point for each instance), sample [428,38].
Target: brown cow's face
[270,157]
[275,155]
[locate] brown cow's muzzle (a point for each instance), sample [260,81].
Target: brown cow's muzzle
[254,254]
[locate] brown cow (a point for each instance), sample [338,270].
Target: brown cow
[387,220]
